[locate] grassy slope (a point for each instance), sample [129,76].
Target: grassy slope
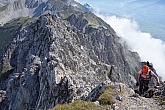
[3,7]
[10,29]
[106,101]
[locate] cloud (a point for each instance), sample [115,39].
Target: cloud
[77,0]
[149,48]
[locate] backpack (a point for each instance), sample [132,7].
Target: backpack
[150,65]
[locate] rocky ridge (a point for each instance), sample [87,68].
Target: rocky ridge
[56,62]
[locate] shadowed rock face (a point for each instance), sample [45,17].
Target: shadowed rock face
[55,61]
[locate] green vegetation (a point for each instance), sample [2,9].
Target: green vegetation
[59,3]
[136,90]
[3,8]
[6,70]
[151,89]
[106,100]
[65,13]
[77,105]
[160,99]
[10,29]
[107,97]
[94,21]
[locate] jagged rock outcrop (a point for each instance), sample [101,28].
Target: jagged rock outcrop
[3,100]
[54,61]
[2,95]
[35,8]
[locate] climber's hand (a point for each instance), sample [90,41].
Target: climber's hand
[158,84]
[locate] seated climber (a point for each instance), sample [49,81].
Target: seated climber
[143,77]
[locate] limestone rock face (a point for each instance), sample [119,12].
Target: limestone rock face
[56,61]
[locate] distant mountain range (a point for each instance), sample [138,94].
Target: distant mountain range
[33,8]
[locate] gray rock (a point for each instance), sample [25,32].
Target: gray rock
[97,103]
[119,98]
[58,61]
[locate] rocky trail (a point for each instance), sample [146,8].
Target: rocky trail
[127,99]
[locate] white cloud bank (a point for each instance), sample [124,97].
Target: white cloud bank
[149,48]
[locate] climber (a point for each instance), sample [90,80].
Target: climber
[143,77]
